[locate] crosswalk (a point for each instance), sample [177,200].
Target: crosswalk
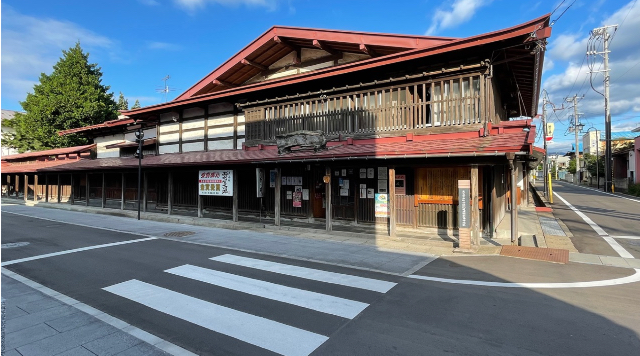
[259,331]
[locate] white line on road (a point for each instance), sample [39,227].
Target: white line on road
[613,243]
[607,193]
[308,273]
[264,333]
[608,282]
[627,237]
[311,300]
[7,263]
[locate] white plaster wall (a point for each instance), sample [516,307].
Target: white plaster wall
[168,149]
[240,142]
[168,116]
[220,107]
[190,147]
[220,145]
[103,141]
[193,124]
[174,137]
[148,133]
[317,66]
[240,129]
[521,177]
[169,127]
[221,132]
[193,135]
[221,120]
[240,118]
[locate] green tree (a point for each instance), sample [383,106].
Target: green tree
[591,164]
[71,96]
[136,105]
[123,104]
[572,166]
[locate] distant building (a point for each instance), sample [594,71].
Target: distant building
[7,115]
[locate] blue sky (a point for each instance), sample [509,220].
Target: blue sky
[137,43]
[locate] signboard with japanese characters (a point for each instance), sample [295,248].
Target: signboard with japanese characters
[259,182]
[216,182]
[381,206]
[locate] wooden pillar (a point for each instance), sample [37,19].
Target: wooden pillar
[514,202]
[35,187]
[144,191]
[122,193]
[327,194]
[235,195]
[104,191]
[200,213]
[475,207]
[26,187]
[278,191]
[86,198]
[46,188]
[525,176]
[73,190]
[392,201]
[235,127]
[59,189]
[170,194]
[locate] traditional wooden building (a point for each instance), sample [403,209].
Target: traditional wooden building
[341,129]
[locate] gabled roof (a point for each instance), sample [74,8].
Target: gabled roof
[279,41]
[537,29]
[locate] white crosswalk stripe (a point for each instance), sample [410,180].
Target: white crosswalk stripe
[308,273]
[253,329]
[316,301]
[265,333]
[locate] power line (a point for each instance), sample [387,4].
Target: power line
[565,10]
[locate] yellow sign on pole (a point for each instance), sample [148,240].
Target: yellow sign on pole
[550,190]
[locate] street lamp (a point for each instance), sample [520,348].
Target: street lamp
[139,155]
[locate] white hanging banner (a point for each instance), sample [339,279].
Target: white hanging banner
[216,182]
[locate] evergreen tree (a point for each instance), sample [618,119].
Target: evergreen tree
[123,104]
[71,96]
[136,105]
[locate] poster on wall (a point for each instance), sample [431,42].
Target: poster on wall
[345,184]
[305,194]
[289,195]
[382,206]
[284,180]
[363,173]
[344,172]
[382,172]
[382,186]
[370,193]
[344,192]
[290,180]
[297,197]
[363,191]
[401,184]
[259,182]
[371,173]
[297,180]
[216,182]
[273,174]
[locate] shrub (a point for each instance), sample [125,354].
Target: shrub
[634,189]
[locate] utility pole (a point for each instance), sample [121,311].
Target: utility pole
[546,154]
[577,127]
[603,32]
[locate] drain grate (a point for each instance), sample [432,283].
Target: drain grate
[179,233]
[14,244]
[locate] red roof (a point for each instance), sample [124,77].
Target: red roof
[235,70]
[112,123]
[48,153]
[456,144]
[35,166]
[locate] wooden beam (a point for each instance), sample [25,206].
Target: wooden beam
[325,47]
[46,188]
[59,189]
[222,83]
[170,193]
[26,187]
[392,201]
[285,43]
[278,191]
[145,184]
[103,198]
[73,191]
[122,192]
[367,50]
[327,194]
[253,64]
[35,187]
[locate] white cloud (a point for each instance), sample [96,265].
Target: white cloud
[31,46]
[461,11]
[163,46]
[568,46]
[192,5]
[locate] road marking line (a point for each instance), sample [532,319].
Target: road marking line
[613,243]
[607,193]
[607,282]
[627,237]
[311,300]
[308,273]
[7,263]
[264,333]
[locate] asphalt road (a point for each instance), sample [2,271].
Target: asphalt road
[617,216]
[262,305]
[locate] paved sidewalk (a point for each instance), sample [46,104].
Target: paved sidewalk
[604,260]
[41,322]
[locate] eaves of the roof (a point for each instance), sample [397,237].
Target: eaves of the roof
[48,153]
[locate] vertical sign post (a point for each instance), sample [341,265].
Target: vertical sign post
[464,214]
[260,187]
